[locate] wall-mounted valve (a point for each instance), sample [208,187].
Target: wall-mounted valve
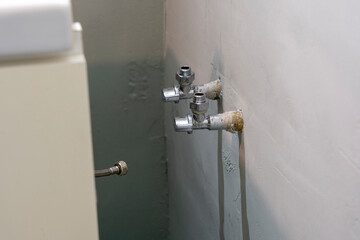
[230,121]
[120,168]
[186,90]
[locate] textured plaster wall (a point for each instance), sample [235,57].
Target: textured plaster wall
[124,48]
[293,67]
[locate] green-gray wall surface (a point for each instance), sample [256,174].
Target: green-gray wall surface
[123,44]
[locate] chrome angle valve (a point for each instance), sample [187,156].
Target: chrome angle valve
[185,90]
[230,121]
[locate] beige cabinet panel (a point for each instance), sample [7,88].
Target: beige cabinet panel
[46,183]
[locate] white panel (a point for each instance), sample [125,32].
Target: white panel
[34,27]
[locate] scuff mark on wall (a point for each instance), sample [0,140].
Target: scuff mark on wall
[228,163]
[138,82]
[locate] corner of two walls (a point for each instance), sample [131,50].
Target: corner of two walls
[123,44]
[282,63]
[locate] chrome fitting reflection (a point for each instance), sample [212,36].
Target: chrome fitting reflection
[183,124]
[171,94]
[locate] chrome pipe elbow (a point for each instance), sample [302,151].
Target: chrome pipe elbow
[199,106]
[185,90]
[171,94]
[184,124]
[229,121]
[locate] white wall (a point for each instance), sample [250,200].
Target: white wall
[293,67]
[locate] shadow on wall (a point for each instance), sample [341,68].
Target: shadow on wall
[228,154]
[193,214]
[235,151]
[221,178]
[250,227]
[125,76]
[127,124]
[218,68]
[242,169]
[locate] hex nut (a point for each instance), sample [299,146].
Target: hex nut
[199,107]
[185,76]
[123,168]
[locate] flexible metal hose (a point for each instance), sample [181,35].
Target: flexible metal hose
[120,168]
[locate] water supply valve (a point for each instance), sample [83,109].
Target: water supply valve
[185,90]
[230,121]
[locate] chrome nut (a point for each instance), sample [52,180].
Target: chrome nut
[185,76]
[199,103]
[199,107]
[123,168]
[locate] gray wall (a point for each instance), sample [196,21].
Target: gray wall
[293,67]
[124,48]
